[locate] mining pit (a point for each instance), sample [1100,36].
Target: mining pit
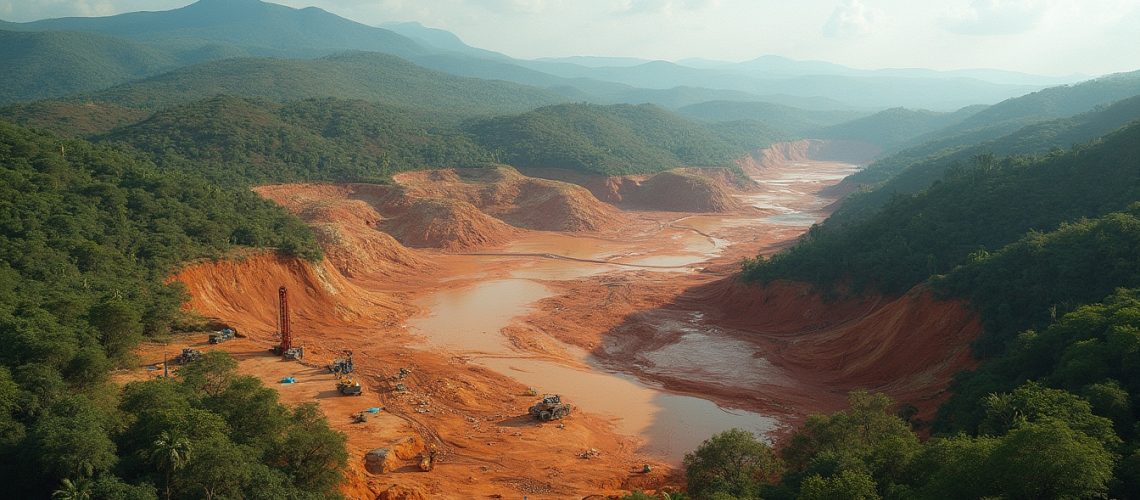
[492,287]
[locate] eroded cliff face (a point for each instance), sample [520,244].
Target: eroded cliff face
[858,153]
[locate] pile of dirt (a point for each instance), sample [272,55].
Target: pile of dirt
[347,229]
[703,190]
[519,200]
[609,189]
[446,224]
[854,152]
[681,191]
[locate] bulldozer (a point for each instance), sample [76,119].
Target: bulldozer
[550,408]
[349,387]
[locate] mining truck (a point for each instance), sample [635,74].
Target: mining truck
[342,365]
[188,355]
[222,335]
[550,408]
[349,387]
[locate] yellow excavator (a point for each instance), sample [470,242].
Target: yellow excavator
[348,386]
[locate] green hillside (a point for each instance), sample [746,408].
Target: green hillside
[1005,118]
[1047,250]
[44,65]
[980,206]
[893,127]
[71,119]
[88,236]
[261,28]
[239,140]
[789,119]
[914,173]
[365,76]
[618,139]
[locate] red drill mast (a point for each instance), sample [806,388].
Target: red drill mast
[283,321]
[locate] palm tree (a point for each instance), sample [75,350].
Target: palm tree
[79,489]
[169,454]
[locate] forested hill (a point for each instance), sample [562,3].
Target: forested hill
[237,140]
[1047,250]
[56,64]
[250,26]
[619,139]
[979,206]
[240,140]
[1005,118]
[789,119]
[88,236]
[909,172]
[367,76]
[893,127]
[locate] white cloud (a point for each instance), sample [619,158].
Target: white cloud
[518,6]
[996,17]
[667,7]
[850,19]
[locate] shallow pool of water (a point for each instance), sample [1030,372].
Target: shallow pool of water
[470,320]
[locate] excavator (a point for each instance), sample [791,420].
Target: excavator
[349,386]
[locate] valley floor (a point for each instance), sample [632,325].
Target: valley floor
[631,315]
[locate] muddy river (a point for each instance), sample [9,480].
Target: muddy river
[469,321]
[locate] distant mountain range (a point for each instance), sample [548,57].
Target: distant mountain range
[221,29]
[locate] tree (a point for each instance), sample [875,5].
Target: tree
[733,462]
[73,446]
[170,454]
[868,436]
[1032,402]
[211,374]
[847,485]
[1048,459]
[311,454]
[78,489]
[119,324]
[219,468]
[954,468]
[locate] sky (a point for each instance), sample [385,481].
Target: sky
[1048,37]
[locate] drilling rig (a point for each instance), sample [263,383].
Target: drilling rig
[286,349]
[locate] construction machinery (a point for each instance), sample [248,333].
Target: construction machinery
[222,335]
[188,355]
[342,365]
[285,349]
[550,408]
[348,386]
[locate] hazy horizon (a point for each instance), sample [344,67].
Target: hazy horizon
[1044,37]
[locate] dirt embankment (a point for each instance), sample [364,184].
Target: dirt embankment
[858,153]
[695,190]
[347,229]
[781,349]
[909,347]
[244,291]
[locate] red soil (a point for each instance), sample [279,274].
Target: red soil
[809,150]
[521,201]
[810,351]
[693,190]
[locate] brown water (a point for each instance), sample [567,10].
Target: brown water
[470,320]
